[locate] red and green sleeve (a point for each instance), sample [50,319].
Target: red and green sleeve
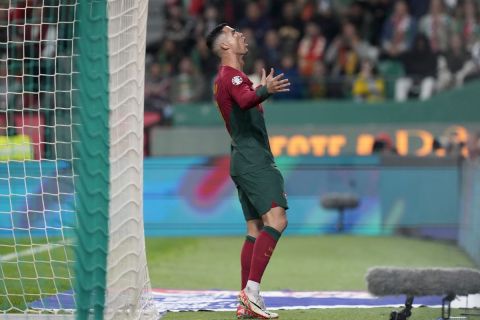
[246,97]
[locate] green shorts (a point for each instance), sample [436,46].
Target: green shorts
[259,191]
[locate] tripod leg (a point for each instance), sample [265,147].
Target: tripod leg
[446,302]
[406,312]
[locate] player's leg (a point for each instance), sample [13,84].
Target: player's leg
[254,227]
[265,191]
[276,218]
[268,196]
[275,222]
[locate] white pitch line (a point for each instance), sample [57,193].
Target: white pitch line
[32,251]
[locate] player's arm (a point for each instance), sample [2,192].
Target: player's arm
[247,98]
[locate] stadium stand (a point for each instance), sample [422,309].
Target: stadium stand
[322,45]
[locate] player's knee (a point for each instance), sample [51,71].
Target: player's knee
[254,227]
[276,218]
[283,223]
[280,223]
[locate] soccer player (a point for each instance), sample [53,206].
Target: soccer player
[252,168]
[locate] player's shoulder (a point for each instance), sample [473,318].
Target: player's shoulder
[232,76]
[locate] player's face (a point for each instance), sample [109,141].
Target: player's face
[236,40]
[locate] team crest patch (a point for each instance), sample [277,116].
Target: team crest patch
[237,80]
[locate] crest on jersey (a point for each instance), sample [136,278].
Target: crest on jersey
[237,80]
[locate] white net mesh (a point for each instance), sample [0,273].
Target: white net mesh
[37,208]
[36,176]
[127,278]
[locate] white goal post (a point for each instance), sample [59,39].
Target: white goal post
[71,159]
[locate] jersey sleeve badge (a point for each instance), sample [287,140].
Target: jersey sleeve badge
[237,80]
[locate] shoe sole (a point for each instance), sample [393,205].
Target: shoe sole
[250,306]
[246,317]
[271,314]
[247,314]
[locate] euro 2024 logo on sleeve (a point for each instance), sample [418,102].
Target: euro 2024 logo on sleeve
[237,80]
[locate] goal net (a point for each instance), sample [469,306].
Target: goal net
[71,152]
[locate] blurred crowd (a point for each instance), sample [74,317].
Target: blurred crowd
[36,45]
[362,50]
[365,50]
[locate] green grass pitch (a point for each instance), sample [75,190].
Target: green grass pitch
[333,262]
[317,314]
[36,272]
[299,263]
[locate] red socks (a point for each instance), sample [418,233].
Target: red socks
[246,258]
[262,251]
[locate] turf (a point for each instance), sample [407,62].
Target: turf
[33,275]
[316,314]
[299,263]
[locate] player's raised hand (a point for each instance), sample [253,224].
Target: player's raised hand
[276,83]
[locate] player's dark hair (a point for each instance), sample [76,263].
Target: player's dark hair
[213,35]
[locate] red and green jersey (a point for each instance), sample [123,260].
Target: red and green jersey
[240,106]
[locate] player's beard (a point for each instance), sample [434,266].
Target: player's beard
[240,59]
[243,50]
[242,53]
[244,47]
